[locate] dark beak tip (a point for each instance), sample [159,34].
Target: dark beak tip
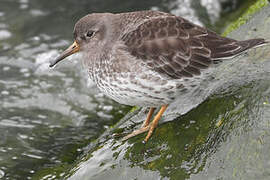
[52,64]
[69,51]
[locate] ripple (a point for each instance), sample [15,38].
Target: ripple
[2,173]
[37,12]
[24,4]
[4,92]
[2,25]
[6,68]
[213,9]
[32,156]
[4,34]
[107,108]
[184,9]
[43,60]
[11,123]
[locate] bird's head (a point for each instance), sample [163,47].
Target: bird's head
[89,33]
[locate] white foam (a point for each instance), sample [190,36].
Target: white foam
[43,60]
[4,34]
[213,8]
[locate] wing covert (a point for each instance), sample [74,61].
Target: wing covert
[173,46]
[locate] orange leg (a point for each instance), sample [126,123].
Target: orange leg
[146,126]
[149,115]
[155,122]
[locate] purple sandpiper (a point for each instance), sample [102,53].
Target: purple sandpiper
[149,58]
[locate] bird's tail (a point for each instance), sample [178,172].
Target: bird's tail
[235,48]
[247,44]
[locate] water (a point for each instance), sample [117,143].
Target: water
[48,115]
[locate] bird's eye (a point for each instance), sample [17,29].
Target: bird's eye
[90,34]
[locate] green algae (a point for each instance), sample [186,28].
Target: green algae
[134,108]
[180,142]
[257,6]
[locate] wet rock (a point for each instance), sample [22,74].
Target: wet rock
[222,130]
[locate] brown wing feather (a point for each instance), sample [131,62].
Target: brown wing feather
[178,48]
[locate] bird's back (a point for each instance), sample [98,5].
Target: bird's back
[174,46]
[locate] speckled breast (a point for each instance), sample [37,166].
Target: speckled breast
[140,88]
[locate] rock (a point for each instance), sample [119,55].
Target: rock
[222,131]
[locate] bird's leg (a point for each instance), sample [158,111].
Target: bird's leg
[145,125]
[149,126]
[154,123]
[149,115]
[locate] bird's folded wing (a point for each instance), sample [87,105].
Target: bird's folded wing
[176,47]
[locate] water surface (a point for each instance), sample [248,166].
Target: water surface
[48,115]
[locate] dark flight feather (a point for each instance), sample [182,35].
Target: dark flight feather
[179,48]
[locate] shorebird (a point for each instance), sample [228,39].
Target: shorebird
[149,58]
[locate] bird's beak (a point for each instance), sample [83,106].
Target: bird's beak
[69,51]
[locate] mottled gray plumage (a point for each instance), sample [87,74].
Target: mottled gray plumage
[149,58]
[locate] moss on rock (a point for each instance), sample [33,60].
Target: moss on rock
[258,5]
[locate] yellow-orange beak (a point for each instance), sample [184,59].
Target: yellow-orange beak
[69,51]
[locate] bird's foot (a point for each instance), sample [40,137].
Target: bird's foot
[148,126]
[137,132]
